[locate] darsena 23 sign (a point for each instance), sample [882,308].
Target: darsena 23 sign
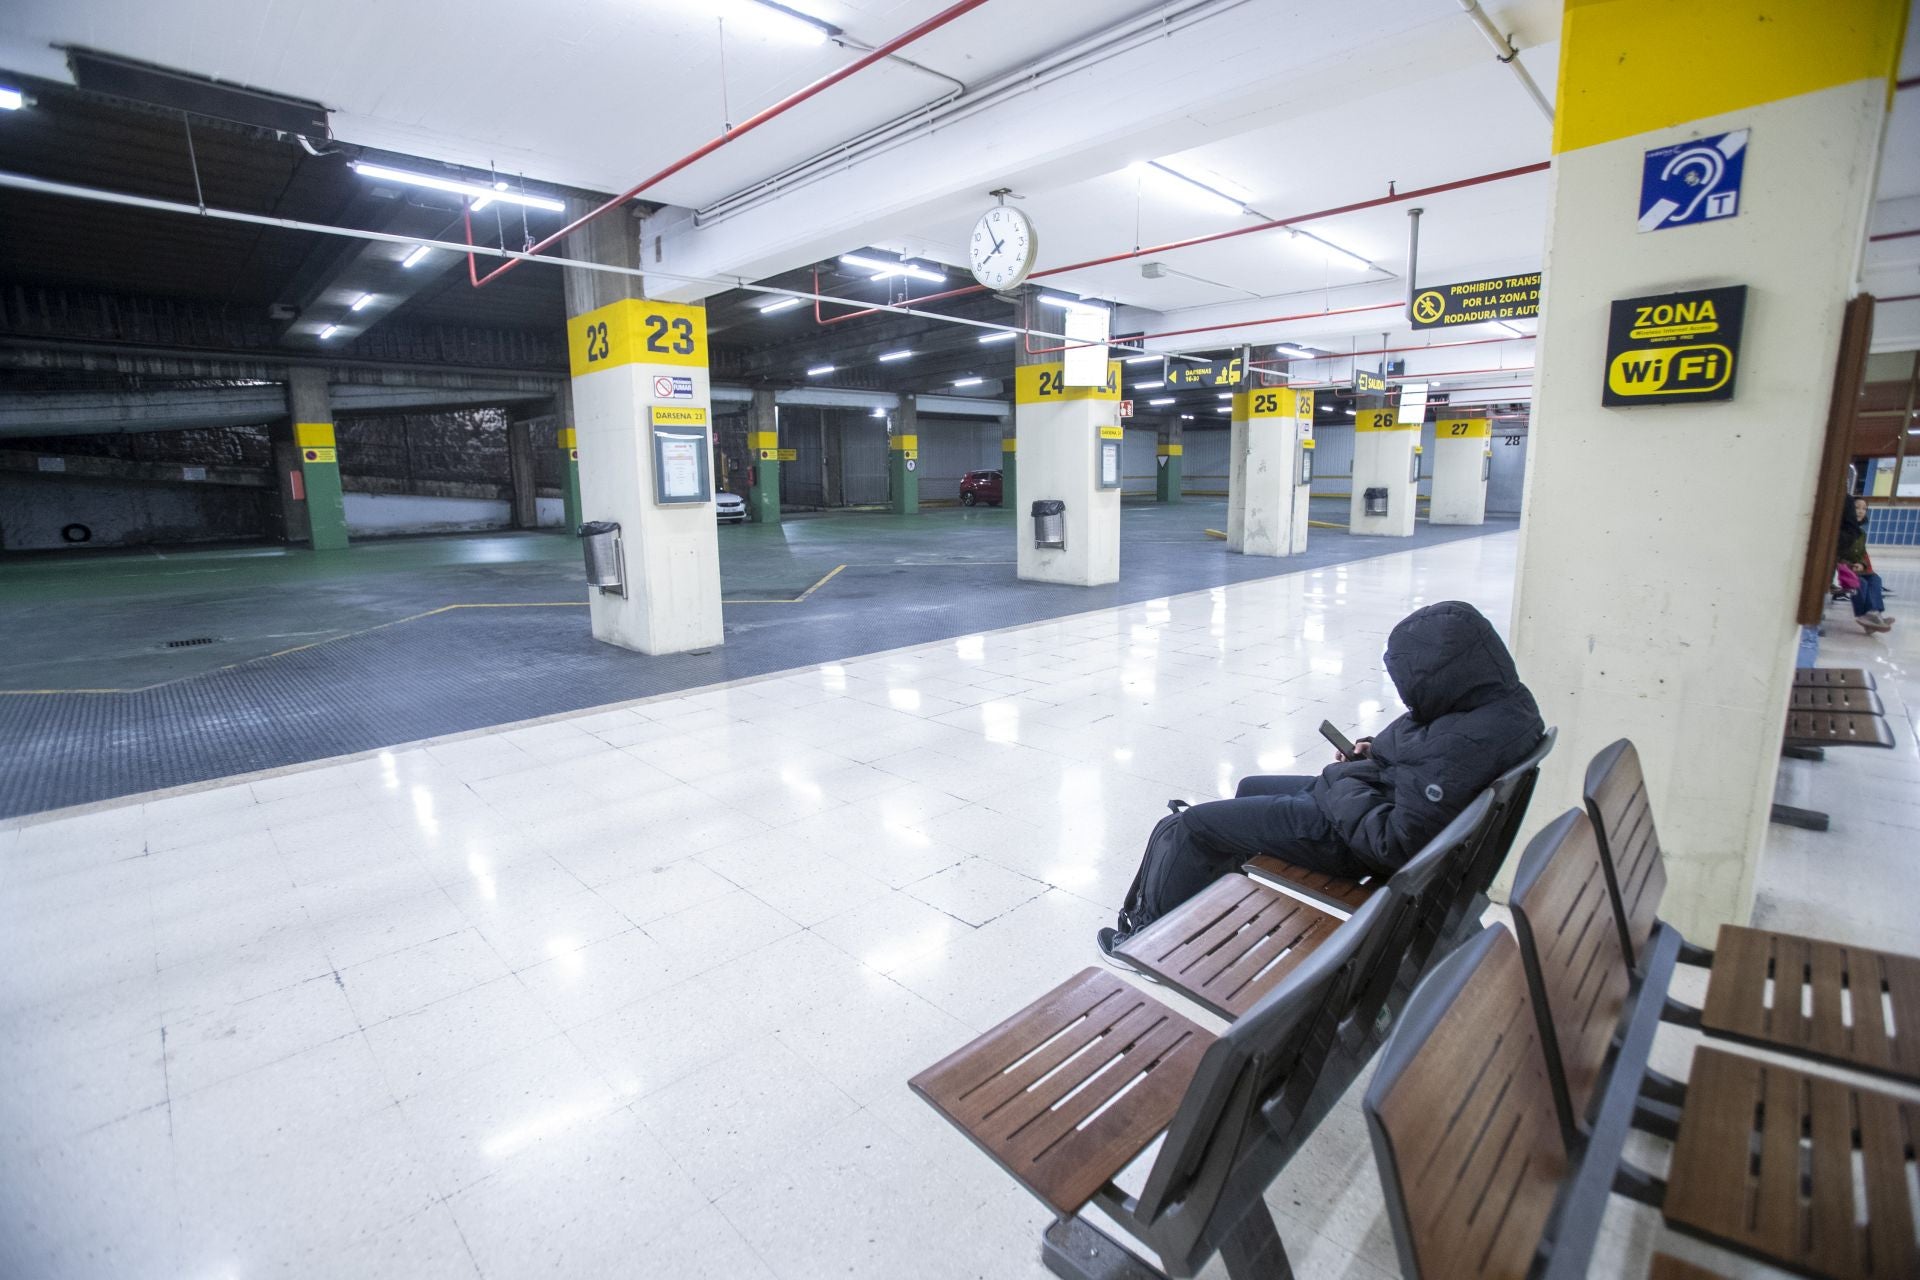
[1672,348]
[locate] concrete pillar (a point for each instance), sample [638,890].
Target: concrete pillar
[525,498]
[1462,456]
[1059,431]
[1266,496]
[1167,458]
[289,483]
[317,456]
[1010,465]
[833,458]
[567,441]
[1386,455]
[763,447]
[643,426]
[903,457]
[1662,544]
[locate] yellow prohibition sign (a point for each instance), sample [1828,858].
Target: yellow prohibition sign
[1429,305]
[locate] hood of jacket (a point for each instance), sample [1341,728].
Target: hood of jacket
[1446,658]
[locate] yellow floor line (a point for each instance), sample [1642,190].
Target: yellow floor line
[831,573]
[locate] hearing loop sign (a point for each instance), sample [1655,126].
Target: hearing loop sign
[1691,182]
[1674,347]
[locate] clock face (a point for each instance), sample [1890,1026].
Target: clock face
[1003,248]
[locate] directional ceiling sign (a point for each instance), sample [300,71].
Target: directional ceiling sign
[1214,373]
[1692,182]
[1442,306]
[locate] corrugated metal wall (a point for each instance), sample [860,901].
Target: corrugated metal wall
[1332,459]
[1509,471]
[863,458]
[1137,460]
[802,481]
[951,447]
[1203,461]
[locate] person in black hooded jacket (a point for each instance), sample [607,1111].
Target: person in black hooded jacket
[1469,719]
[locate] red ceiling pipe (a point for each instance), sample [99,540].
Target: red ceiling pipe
[1895,235]
[1417,377]
[747,126]
[1418,194]
[1231,324]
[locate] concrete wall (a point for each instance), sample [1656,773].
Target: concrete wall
[1204,460]
[128,513]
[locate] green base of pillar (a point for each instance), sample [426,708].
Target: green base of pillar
[326,510]
[763,499]
[570,495]
[1167,481]
[904,484]
[1009,487]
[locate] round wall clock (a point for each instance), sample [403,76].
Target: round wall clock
[1003,248]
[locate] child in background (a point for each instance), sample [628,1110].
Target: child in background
[1868,600]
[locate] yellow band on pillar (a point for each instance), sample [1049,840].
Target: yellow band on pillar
[313,435]
[1270,402]
[569,440]
[1047,384]
[1632,66]
[1008,444]
[1382,420]
[1169,451]
[1463,429]
[763,439]
[637,331]
[908,444]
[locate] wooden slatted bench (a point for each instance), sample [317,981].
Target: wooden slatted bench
[1229,945]
[1775,1162]
[1841,677]
[1511,792]
[1837,729]
[1068,1092]
[1863,1005]
[1836,698]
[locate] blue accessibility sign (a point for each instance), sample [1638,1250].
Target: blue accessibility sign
[1692,182]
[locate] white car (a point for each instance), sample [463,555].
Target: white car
[729,508]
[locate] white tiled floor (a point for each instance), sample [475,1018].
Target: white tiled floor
[637,991]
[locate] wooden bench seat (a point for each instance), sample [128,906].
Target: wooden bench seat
[1842,677]
[1848,990]
[1767,1158]
[1837,729]
[1331,890]
[1017,1090]
[1836,697]
[1796,1169]
[1231,943]
[1825,1000]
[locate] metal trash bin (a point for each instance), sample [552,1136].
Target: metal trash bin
[1050,523]
[600,540]
[1376,501]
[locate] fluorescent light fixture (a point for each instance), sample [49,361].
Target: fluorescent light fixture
[781,22]
[879,412]
[1148,386]
[819,369]
[1162,400]
[889,356]
[1193,189]
[362,302]
[1004,335]
[1140,359]
[472,190]
[329,331]
[968,382]
[881,270]
[1294,353]
[1224,395]
[778,304]
[1349,413]
[418,256]
[1224,409]
[1186,417]
[11,99]
[1069,304]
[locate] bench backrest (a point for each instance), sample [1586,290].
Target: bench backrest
[1260,1082]
[1512,791]
[1221,1147]
[1463,1122]
[1616,794]
[1576,964]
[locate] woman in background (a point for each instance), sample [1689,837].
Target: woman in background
[1868,599]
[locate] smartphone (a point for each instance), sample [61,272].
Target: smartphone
[1334,736]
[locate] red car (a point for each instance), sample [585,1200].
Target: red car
[980,486]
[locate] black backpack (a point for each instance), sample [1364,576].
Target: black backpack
[1173,869]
